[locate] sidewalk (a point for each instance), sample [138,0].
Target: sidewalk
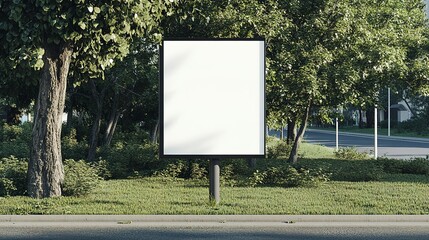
[216,218]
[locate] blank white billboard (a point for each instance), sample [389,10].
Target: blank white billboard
[213,98]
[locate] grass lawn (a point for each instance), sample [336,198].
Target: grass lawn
[397,194]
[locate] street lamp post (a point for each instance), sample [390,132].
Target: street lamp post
[388,111]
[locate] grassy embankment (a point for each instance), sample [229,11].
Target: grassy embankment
[391,194]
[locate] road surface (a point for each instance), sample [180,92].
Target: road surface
[393,147]
[215,231]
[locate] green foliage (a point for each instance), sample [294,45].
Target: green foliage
[279,149]
[172,170]
[419,125]
[416,166]
[80,178]
[350,153]
[289,176]
[358,171]
[191,169]
[72,148]
[102,168]
[15,140]
[126,158]
[13,176]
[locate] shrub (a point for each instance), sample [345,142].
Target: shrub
[350,153]
[15,140]
[71,148]
[80,178]
[13,176]
[359,171]
[102,169]
[416,166]
[393,166]
[172,170]
[289,176]
[197,171]
[278,149]
[125,159]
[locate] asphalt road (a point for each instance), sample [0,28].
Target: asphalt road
[208,231]
[393,147]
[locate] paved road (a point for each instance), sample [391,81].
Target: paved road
[238,231]
[394,147]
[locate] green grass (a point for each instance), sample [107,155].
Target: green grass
[398,194]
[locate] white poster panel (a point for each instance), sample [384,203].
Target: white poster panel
[213,98]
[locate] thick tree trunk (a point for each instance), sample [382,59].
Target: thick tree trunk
[293,157]
[45,168]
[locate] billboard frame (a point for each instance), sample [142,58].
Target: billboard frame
[161,104]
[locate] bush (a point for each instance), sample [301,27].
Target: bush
[190,169]
[289,176]
[416,166]
[80,178]
[125,159]
[359,171]
[102,169]
[15,140]
[172,170]
[71,148]
[13,176]
[278,149]
[392,166]
[350,153]
[418,125]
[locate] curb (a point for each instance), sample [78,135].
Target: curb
[215,218]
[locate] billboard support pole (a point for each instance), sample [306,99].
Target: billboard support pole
[214,189]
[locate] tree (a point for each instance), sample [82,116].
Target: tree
[50,35]
[342,52]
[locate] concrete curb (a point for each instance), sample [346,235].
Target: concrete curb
[215,218]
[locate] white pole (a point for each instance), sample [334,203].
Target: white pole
[336,134]
[375,134]
[388,111]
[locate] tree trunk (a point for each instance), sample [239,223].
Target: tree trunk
[95,131]
[251,162]
[70,108]
[45,168]
[293,157]
[113,121]
[291,131]
[360,119]
[155,132]
[108,136]
[413,113]
[370,118]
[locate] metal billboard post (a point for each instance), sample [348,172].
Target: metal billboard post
[214,175]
